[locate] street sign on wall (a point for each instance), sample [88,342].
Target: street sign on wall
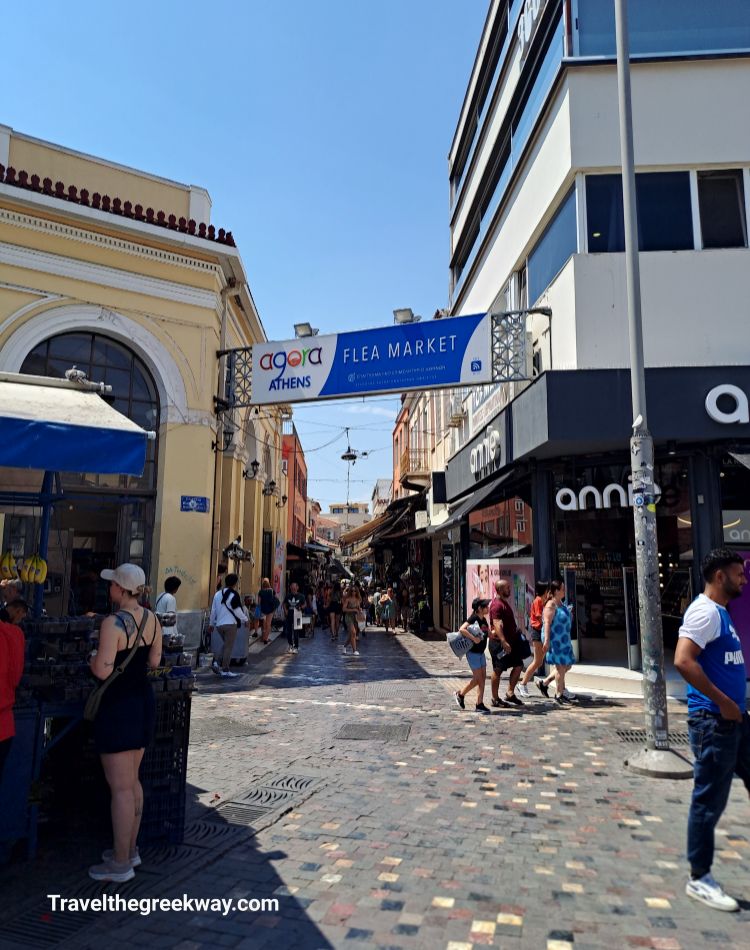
[194,503]
[437,353]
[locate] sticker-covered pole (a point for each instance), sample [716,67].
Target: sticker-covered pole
[656,759]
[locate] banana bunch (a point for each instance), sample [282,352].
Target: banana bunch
[8,567]
[33,570]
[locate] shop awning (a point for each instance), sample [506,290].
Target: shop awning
[315,548]
[364,531]
[473,501]
[56,425]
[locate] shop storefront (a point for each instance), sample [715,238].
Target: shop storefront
[52,776]
[544,490]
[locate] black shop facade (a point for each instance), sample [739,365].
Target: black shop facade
[543,490]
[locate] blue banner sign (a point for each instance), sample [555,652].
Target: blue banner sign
[194,503]
[454,351]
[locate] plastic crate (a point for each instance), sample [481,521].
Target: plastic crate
[173,713]
[164,761]
[163,818]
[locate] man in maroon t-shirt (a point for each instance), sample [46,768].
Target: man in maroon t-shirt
[505,645]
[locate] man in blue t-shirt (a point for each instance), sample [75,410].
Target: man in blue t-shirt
[709,657]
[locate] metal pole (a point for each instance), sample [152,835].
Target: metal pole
[46,499]
[656,759]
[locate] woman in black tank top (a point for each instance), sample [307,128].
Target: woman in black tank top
[124,724]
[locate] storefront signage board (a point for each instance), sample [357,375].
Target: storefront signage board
[194,503]
[483,457]
[485,402]
[437,353]
[738,410]
[565,413]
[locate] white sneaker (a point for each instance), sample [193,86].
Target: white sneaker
[345,651]
[523,691]
[109,871]
[568,695]
[290,649]
[216,668]
[706,890]
[225,674]
[356,652]
[109,856]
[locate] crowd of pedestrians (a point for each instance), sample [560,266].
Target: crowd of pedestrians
[493,625]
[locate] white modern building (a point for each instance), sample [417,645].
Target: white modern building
[536,220]
[349,514]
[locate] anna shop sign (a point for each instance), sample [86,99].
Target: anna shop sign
[611,496]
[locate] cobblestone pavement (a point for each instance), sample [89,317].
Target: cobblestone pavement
[519,829]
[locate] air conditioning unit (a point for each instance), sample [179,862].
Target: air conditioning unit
[421,520]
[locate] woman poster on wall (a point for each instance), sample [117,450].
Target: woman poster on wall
[480,579]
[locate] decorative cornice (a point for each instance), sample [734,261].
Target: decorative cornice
[16,256]
[83,236]
[115,206]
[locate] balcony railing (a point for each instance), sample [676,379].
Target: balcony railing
[414,463]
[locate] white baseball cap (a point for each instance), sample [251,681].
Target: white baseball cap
[128,576]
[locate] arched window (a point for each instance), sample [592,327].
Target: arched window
[134,393]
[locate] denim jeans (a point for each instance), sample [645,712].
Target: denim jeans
[292,635]
[721,749]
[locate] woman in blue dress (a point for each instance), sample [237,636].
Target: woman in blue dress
[556,622]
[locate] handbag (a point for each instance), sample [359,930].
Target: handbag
[95,699]
[166,618]
[524,648]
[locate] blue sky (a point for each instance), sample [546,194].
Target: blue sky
[321,131]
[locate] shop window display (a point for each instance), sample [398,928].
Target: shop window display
[594,533]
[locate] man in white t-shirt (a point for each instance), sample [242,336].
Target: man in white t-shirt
[166,602]
[227,615]
[709,657]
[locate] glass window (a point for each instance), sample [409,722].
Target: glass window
[606,229]
[553,248]
[669,26]
[721,198]
[665,220]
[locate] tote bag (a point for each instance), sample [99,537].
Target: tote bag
[459,643]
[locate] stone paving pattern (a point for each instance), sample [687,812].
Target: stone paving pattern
[519,829]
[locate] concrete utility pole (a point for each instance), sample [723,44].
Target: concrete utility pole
[657,759]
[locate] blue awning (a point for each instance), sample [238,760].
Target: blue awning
[61,426]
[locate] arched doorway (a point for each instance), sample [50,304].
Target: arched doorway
[107,519]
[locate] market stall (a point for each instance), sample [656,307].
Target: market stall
[53,426]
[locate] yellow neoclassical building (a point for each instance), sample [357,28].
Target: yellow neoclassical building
[122,274]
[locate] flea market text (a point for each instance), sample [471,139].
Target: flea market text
[401,349]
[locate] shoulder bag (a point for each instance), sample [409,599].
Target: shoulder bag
[95,699]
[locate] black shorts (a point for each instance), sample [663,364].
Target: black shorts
[536,635]
[506,661]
